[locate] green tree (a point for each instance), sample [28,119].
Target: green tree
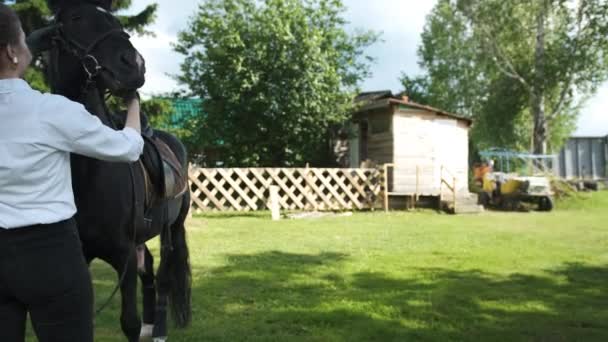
[417,89]
[275,75]
[519,67]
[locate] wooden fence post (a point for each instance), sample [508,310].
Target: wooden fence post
[416,196]
[454,186]
[275,207]
[386,191]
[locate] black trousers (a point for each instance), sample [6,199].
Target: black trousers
[43,272]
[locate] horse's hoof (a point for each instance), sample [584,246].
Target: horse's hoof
[146,330]
[160,339]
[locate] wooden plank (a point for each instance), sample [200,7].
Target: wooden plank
[364,178]
[386,191]
[282,199]
[257,173]
[330,188]
[210,196]
[228,177]
[243,176]
[303,190]
[346,190]
[219,185]
[200,204]
[284,186]
[311,181]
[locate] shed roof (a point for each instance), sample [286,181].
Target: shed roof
[384,98]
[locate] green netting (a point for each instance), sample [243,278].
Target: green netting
[184,109]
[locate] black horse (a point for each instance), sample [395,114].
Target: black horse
[88,54]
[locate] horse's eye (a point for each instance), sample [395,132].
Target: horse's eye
[76,18]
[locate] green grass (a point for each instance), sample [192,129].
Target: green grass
[396,277]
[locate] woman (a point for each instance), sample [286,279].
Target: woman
[42,268]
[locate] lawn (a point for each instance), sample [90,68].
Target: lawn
[395,277]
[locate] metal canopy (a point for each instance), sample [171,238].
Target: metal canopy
[528,163]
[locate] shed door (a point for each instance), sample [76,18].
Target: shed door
[451,145]
[415,156]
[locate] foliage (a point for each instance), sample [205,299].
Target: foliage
[521,68]
[392,277]
[417,89]
[275,75]
[161,112]
[35,14]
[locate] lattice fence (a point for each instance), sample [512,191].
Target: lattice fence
[300,189]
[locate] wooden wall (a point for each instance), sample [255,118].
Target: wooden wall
[424,143]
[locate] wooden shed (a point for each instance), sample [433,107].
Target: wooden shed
[421,145]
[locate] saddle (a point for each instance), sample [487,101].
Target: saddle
[165,178]
[164,175]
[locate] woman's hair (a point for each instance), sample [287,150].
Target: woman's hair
[9,26]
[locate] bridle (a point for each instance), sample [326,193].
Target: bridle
[85,52]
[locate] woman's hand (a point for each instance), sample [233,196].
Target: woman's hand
[133,109]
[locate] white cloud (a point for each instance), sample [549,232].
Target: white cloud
[400,22]
[396,53]
[594,116]
[161,62]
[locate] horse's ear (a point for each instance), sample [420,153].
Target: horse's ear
[55,5]
[105,4]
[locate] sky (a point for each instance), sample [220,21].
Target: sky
[399,21]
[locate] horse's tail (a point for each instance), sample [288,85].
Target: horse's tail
[178,268]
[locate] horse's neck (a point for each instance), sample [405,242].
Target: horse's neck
[94,102]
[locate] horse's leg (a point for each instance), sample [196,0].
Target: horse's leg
[125,262]
[173,279]
[148,289]
[160,331]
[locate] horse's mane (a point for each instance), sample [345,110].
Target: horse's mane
[56,5]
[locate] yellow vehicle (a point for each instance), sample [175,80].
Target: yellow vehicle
[507,190]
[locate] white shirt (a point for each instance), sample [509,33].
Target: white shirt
[37,134]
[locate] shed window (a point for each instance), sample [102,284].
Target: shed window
[380,125]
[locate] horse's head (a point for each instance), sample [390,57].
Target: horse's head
[88,43]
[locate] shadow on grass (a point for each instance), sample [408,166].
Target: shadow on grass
[277,296]
[282,296]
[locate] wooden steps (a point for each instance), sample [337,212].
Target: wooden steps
[465,204]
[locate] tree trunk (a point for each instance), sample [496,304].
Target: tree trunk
[538,87]
[540,124]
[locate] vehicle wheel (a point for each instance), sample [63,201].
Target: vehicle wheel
[545,204]
[484,199]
